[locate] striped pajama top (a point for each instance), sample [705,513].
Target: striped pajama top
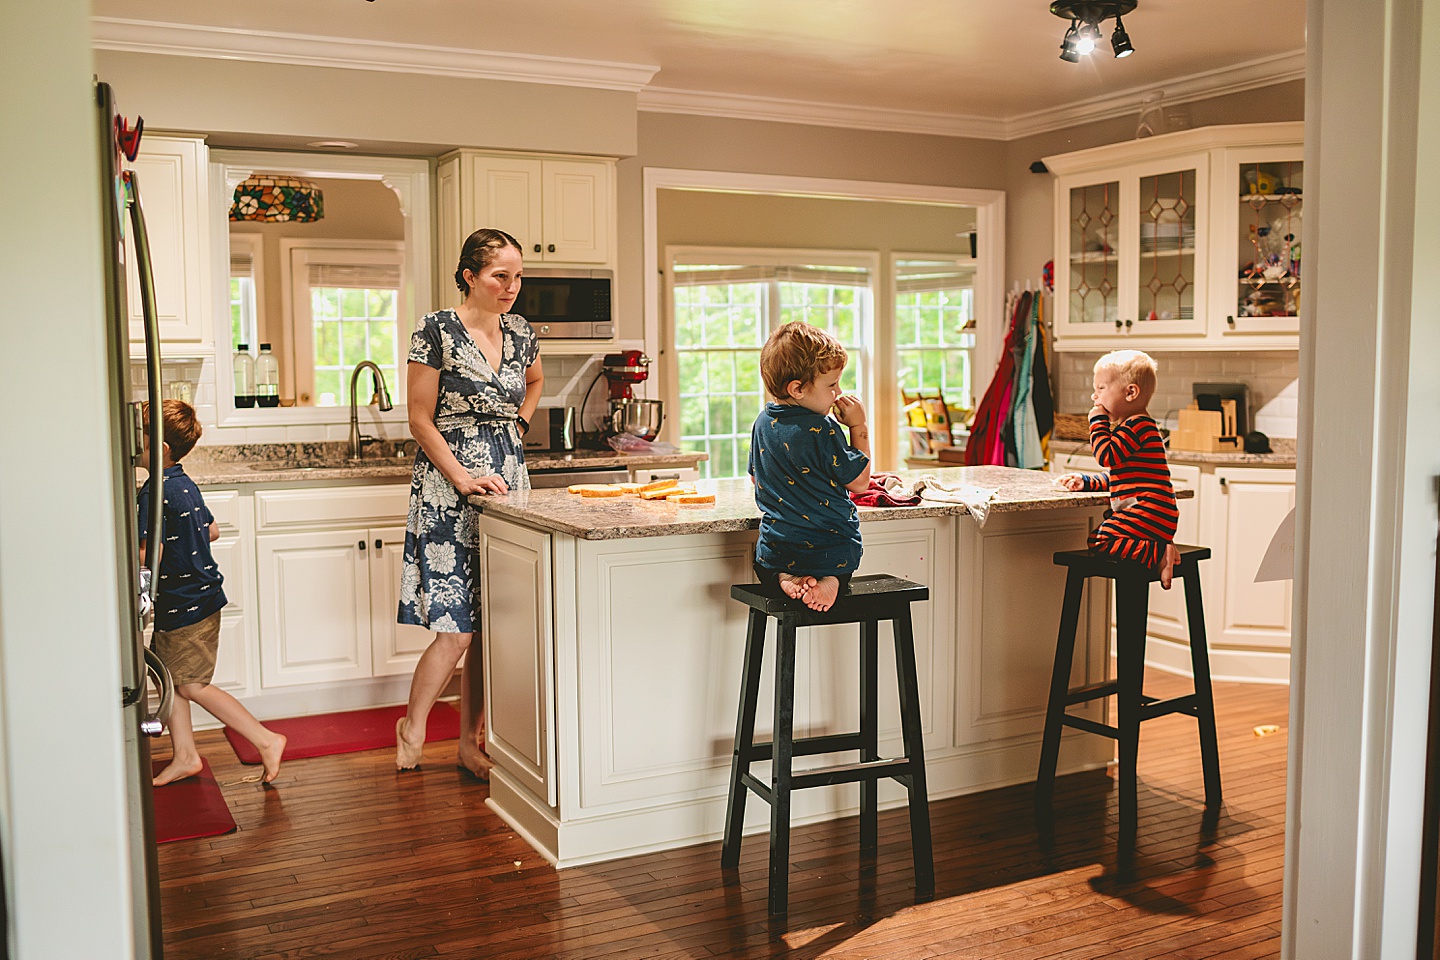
[1141,495]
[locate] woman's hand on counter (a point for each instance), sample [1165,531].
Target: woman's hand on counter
[482,485]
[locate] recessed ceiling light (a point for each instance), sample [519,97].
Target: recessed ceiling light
[339,144]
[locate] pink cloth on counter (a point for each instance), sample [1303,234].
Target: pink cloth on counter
[887,490]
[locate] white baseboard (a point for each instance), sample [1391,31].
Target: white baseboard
[1240,666]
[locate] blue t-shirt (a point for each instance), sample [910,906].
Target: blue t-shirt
[189,587]
[801,462]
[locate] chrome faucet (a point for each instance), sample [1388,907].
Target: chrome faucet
[381,395]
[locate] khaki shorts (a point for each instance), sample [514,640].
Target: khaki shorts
[189,652]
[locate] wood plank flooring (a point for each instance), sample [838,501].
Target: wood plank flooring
[345,858]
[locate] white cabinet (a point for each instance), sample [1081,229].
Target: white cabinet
[1173,243]
[171,176]
[1167,607]
[1243,507]
[234,554]
[327,585]
[562,210]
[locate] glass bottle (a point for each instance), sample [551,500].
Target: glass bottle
[267,378]
[244,368]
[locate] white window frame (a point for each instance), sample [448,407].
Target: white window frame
[771,257]
[296,258]
[254,246]
[976,372]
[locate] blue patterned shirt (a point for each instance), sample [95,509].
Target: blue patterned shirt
[189,586]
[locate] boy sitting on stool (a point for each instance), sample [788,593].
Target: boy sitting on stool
[804,469]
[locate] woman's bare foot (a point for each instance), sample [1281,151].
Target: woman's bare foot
[822,595]
[270,756]
[794,587]
[407,753]
[1168,562]
[474,758]
[177,769]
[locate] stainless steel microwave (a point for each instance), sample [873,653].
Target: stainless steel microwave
[573,304]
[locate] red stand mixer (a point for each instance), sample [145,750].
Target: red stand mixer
[626,413]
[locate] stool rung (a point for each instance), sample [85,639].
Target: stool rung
[806,746]
[761,788]
[1091,726]
[852,773]
[1188,704]
[1091,691]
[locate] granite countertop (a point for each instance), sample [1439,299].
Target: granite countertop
[1282,454]
[329,461]
[618,518]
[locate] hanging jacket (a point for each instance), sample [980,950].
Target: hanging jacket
[1027,452]
[987,432]
[1042,401]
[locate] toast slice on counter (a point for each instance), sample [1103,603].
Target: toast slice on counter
[603,490]
[658,485]
[686,499]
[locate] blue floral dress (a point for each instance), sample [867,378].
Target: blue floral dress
[475,412]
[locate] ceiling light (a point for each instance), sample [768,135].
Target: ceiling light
[1085,17]
[276,199]
[338,144]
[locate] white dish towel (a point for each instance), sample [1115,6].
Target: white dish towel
[976,499]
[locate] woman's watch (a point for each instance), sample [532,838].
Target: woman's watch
[524,424]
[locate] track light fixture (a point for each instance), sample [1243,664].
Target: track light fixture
[1085,17]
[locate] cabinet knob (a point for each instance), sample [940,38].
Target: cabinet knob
[1223,485]
[1230,320]
[378,543]
[1127,324]
[1117,324]
[537,248]
[551,248]
[361,546]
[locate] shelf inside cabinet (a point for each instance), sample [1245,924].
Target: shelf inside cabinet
[1270,197]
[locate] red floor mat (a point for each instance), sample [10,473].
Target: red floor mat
[190,808]
[328,733]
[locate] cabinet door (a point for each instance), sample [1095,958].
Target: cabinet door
[395,647]
[518,630]
[1251,504]
[314,595]
[505,193]
[230,660]
[1164,246]
[1167,607]
[170,175]
[576,211]
[1259,207]
[1087,269]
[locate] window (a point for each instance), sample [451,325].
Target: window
[935,332]
[725,304]
[345,306]
[244,291]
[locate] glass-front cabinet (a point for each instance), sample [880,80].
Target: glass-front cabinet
[1180,241]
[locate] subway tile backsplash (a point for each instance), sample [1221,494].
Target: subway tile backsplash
[1266,373]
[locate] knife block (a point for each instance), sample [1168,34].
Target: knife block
[1206,431]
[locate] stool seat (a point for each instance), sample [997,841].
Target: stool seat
[869,600]
[1132,602]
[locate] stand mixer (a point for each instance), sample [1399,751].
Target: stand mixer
[625,412]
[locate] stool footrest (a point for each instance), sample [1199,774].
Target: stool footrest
[1092,691]
[897,769]
[806,746]
[1188,704]
[1091,726]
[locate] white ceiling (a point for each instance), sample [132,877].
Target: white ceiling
[977,60]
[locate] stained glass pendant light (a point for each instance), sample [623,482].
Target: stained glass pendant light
[277,199]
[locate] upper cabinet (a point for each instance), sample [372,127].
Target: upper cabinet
[170,173]
[561,209]
[1189,240]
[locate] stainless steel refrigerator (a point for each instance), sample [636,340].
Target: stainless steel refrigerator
[140,669]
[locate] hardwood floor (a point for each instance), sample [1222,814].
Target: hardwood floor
[344,858]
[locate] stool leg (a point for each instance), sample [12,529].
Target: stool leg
[1204,695]
[915,753]
[782,752]
[744,738]
[1132,607]
[1059,688]
[869,734]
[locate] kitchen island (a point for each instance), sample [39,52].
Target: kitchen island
[613,655]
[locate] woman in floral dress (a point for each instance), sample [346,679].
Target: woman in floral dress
[473,383]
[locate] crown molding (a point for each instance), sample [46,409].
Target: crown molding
[739,106]
[1250,75]
[262,46]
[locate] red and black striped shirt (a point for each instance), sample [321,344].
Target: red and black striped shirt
[1139,480]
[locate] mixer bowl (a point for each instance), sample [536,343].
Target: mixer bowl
[639,418]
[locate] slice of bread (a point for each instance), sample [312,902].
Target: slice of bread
[582,487]
[663,492]
[691,498]
[659,485]
[631,487]
[603,491]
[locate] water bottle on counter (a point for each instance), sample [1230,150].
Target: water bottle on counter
[244,367]
[267,378]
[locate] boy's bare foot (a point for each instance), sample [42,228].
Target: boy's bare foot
[1168,562]
[794,587]
[270,755]
[407,753]
[822,595]
[177,770]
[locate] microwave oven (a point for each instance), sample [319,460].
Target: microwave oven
[573,304]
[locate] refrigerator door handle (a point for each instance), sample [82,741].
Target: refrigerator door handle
[154,723]
[155,537]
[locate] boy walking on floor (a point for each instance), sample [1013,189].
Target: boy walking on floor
[803,467]
[188,601]
[1140,524]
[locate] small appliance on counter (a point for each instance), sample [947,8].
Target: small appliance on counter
[1215,421]
[553,430]
[625,412]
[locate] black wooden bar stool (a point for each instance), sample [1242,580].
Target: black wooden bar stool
[1132,607]
[870,600]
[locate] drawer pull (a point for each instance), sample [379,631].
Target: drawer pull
[361,545]
[378,543]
